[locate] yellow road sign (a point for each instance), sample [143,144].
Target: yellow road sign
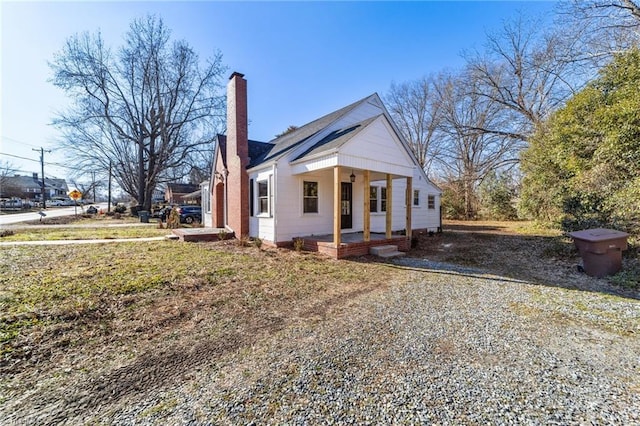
[75,194]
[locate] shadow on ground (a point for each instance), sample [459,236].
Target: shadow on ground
[495,249]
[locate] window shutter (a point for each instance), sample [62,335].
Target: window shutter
[251,206]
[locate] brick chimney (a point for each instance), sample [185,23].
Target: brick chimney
[237,156]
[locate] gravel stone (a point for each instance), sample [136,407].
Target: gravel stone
[450,346]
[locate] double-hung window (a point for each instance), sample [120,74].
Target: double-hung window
[310,197]
[373,199]
[416,197]
[383,198]
[431,202]
[263,197]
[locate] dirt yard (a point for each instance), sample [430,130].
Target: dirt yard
[130,320]
[519,250]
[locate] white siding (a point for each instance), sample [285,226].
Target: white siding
[360,113]
[260,225]
[421,216]
[207,220]
[375,148]
[379,143]
[291,220]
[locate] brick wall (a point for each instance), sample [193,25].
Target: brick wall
[237,156]
[353,249]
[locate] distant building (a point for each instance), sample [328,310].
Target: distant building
[176,193]
[30,187]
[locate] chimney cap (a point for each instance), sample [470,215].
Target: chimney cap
[235,73]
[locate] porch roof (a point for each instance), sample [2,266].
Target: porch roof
[284,144]
[335,139]
[334,158]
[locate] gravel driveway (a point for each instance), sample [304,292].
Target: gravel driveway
[451,346]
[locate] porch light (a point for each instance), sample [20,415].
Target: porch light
[352,178]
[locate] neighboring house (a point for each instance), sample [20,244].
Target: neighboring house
[194,197]
[157,196]
[349,172]
[30,187]
[176,193]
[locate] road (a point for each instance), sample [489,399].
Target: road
[8,219]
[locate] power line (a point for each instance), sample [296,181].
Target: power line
[37,161]
[20,142]
[11,169]
[17,156]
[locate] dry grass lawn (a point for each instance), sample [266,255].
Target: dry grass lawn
[74,312]
[132,314]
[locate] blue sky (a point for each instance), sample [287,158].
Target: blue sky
[301,59]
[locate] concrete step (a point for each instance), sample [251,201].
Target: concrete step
[383,250]
[391,254]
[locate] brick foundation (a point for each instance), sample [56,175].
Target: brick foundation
[353,249]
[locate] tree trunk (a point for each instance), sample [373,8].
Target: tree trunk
[141,182]
[468,198]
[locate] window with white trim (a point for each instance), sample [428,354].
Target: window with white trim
[383,198]
[373,199]
[206,199]
[431,202]
[263,197]
[416,197]
[309,197]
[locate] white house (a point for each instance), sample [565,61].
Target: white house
[343,183]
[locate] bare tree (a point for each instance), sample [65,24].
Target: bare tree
[146,108]
[6,170]
[469,153]
[608,13]
[417,113]
[7,188]
[599,29]
[526,72]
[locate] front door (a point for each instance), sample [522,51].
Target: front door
[345,206]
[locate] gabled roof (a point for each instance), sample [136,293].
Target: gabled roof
[34,182]
[256,150]
[336,139]
[182,188]
[282,145]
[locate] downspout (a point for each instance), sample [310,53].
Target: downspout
[225,213]
[439,230]
[275,202]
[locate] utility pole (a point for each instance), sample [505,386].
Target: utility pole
[44,192]
[109,190]
[93,184]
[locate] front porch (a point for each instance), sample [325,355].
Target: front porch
[352,243]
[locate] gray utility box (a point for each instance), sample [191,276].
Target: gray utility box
[601,250]
[144,216]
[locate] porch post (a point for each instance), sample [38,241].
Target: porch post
[389,205]
[366,232]
[337,199]
[409,203]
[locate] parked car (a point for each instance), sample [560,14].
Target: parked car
[190,213]
[54,203]
[92,210]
